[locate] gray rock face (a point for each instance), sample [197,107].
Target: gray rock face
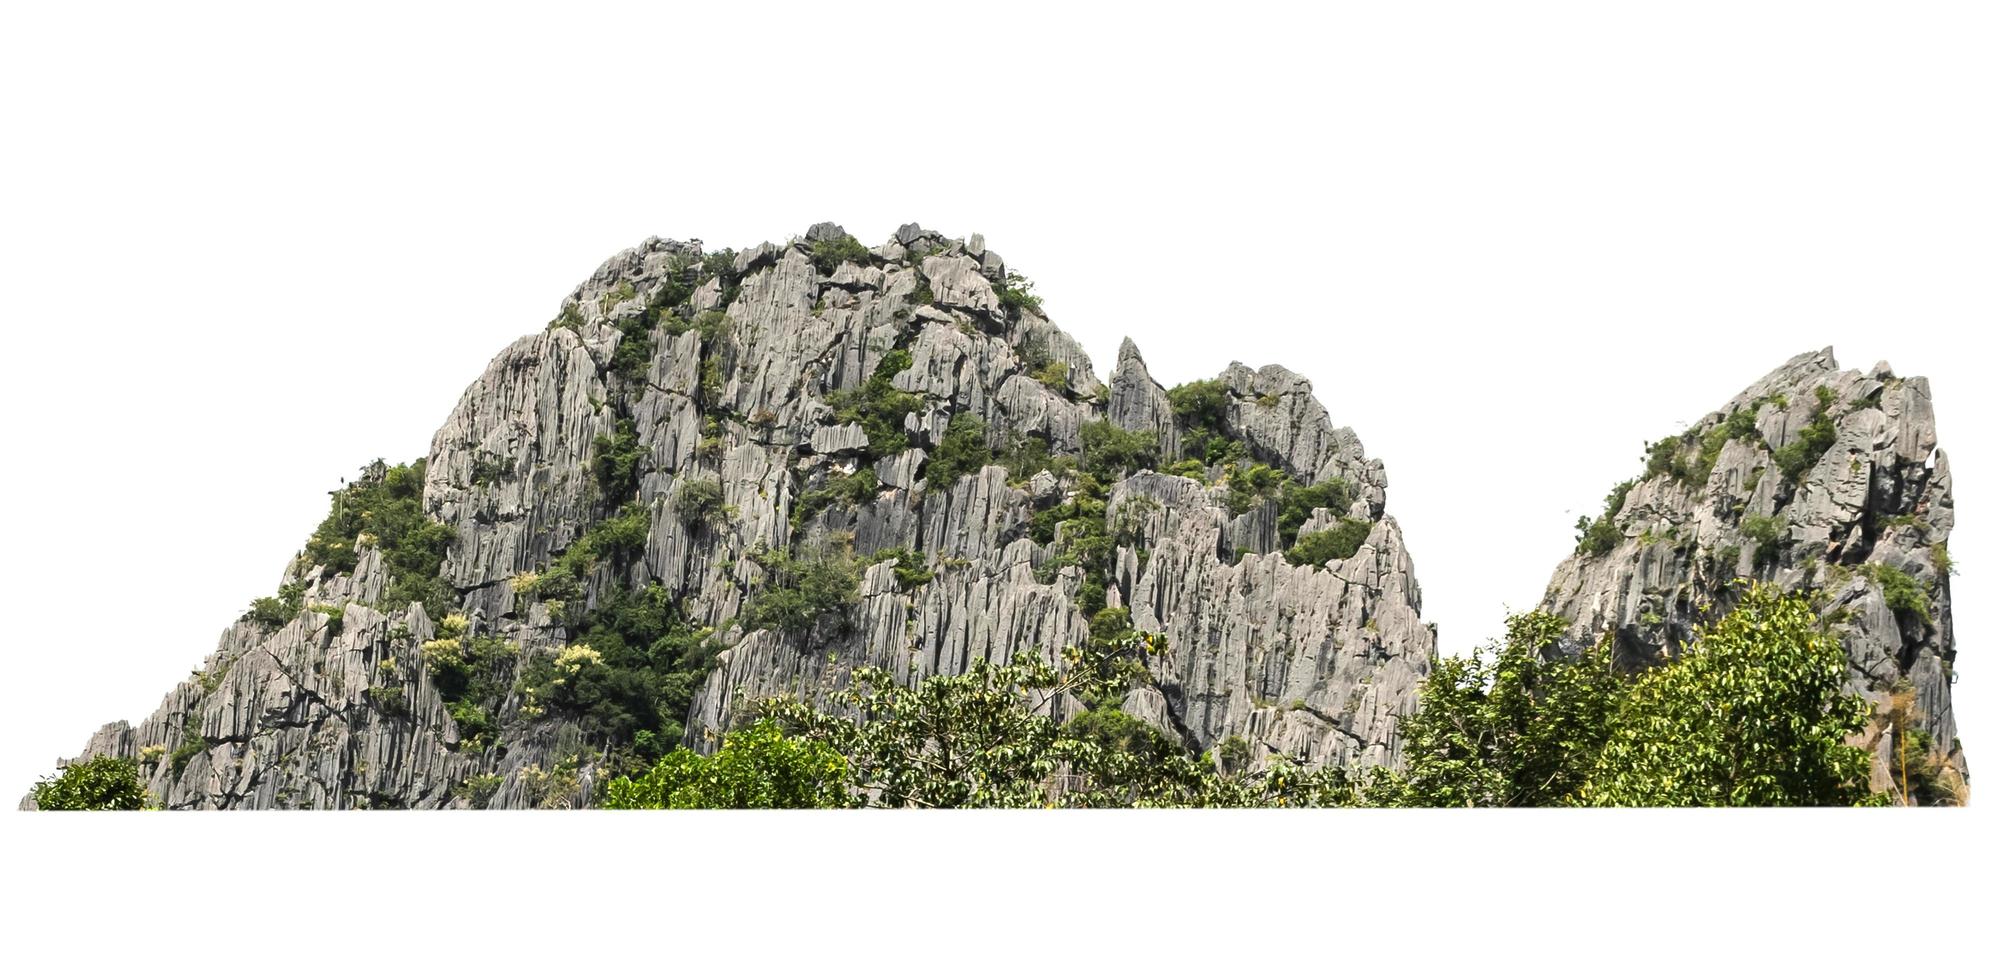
[1313,664]
[1865,525]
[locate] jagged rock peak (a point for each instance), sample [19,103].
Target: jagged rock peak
[691,415]
[1812,478]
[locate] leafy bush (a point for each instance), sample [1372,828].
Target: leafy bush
[1297,503]
[1110,452]
[855,488]
[1812,442]
[385,506]
[624,534]
[806,596]
[712,325]
[912,569]
[1939,555]
[634,692]
[1321,547]
[100,783]
[700,500]
[1078,529]
[879,407]
[191,745]
[389,701]
[1665,457]
[1202,412]
[478,789]
[1739,425]
[1016,293]
[1200,403]
[569,318]
[1251,483]
[1598,537]
[990,738]
[827,255]
[1903,593]
[616,455]
[273,612]
[1506,726]
[961,452]
[1109,625]
[633,353]
[756,768]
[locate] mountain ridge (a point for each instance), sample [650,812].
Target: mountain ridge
[731,474]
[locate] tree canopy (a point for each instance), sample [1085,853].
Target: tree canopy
[101,783]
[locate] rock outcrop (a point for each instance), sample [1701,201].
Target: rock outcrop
[671,373]
[1814,479]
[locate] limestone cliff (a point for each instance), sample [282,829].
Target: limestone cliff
[1815,479]
[692,418]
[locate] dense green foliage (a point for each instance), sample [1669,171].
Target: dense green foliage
[383,509]
[757,767]
[960,453]
[1598,537]
[1202,412]
[809,596]
[1297,503]
[1016,293]
[827,255]
[1321,547]
[1110,453]
[273,612]
[1506,727]
[470,673]
[630,675]
[912,568]
[100,783]
[620,536]
[856,487]
[989,738]
[1810,445]
[616,457]
[1904,595]
[1082,537]
[879,407]
[191,745]
[700,501]
[1756,713]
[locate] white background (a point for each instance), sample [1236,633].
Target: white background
[248,250]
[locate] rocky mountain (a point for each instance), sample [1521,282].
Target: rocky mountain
[724,475]
[662,504]
[1815,479]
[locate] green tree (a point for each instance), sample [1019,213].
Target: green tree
[1756,713]
[1111,453]
[1506,726]
[989,737]
[758,767]
[101,783]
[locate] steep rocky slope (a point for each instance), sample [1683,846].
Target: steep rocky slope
[1815,479]
[619,531]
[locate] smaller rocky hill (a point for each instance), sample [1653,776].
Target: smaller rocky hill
[1815,479]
